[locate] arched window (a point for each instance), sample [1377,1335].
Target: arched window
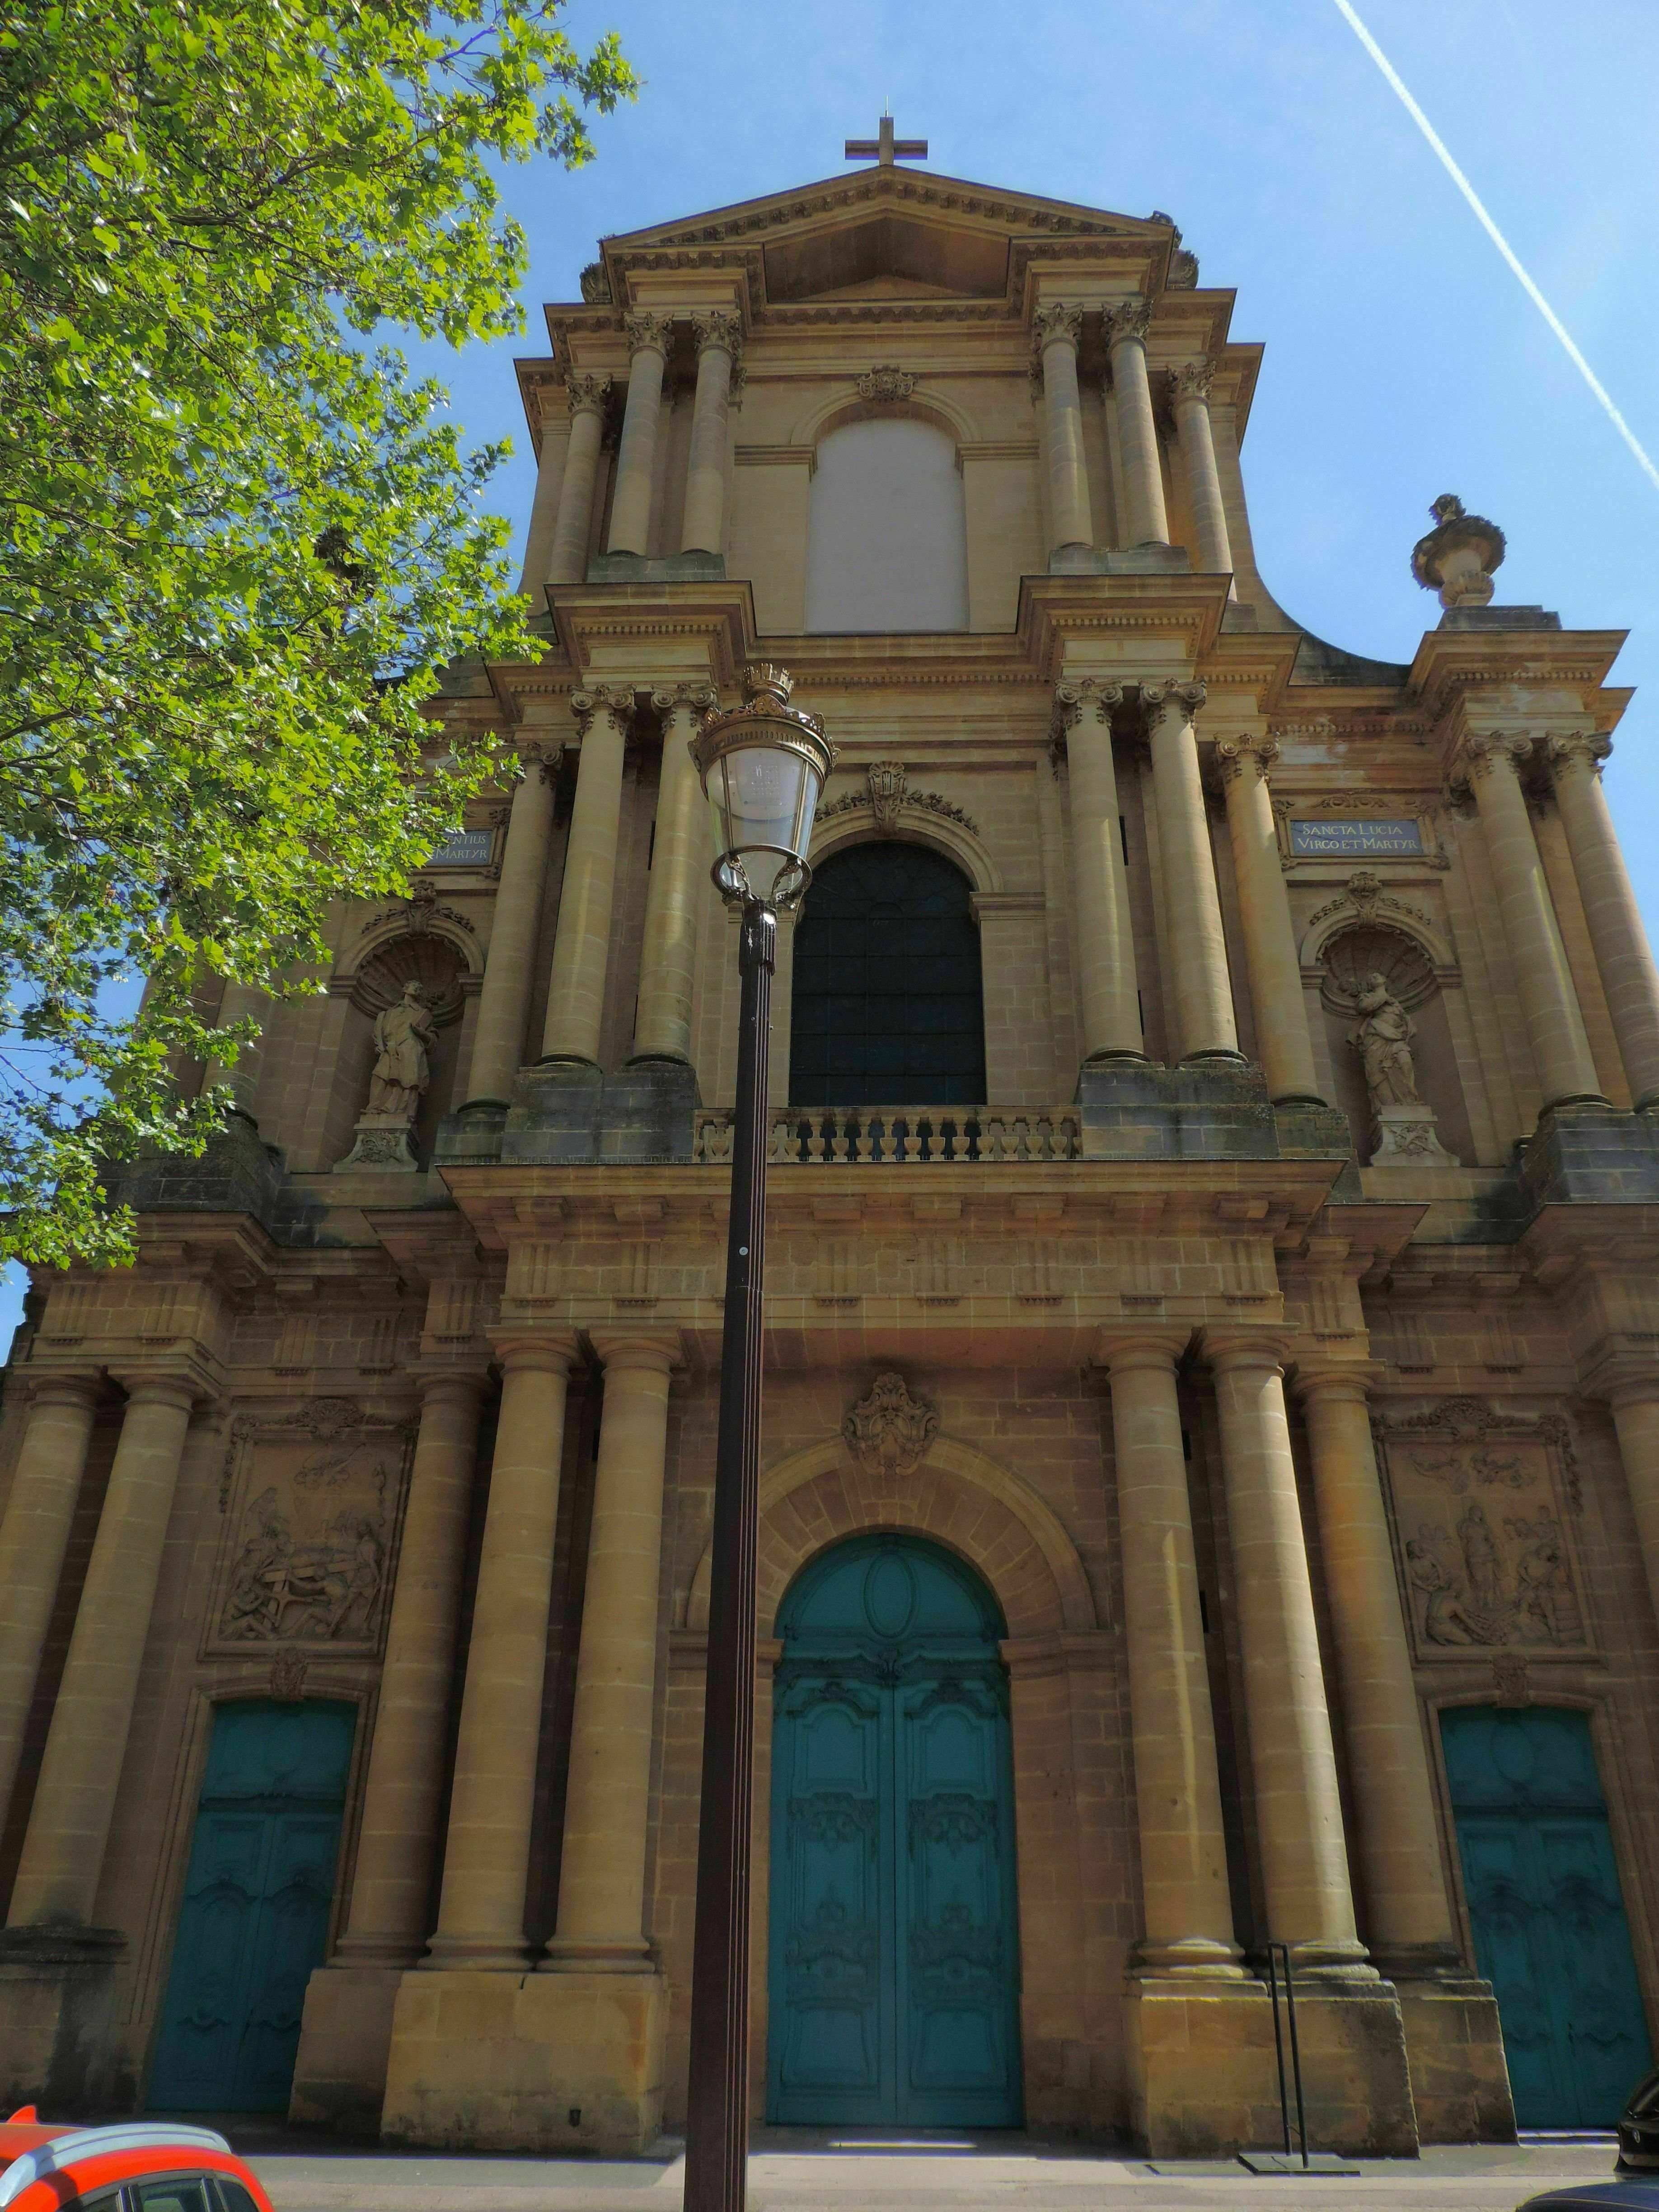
[888,1009]
[886,538]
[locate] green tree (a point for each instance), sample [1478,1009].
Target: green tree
[239,539]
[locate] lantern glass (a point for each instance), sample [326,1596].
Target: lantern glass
[763,796]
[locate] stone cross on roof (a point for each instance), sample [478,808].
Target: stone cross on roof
[885,148]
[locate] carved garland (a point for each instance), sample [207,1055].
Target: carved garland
[887,792]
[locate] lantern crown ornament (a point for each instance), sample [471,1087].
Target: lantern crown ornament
[763,767]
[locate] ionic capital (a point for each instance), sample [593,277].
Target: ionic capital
[588,395]
[1085,695]
[694,699]
[648,333]
[1481,753]
[1580,751]
[1186,698]
[614,700]
[1058,320]
[1237,754]
[718,326]
[1130,319]
[1192,380]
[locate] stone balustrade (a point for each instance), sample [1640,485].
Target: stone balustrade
[869,1136]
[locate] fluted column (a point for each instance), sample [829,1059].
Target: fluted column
[1305,1866]
[1197,947]
[717,335]
[1100,896]
[1137,428]
[648,338]
[392,1885]
[75,1799]
[1623,956]
[1070,522]
[498,1044]
[574,525]
[674,893]
[1270,953]
[581,944]
[1410,1918]
[1560,1049]
[33,1538]
[1187,1909]
[492,1797]
[1190,395]
[601,1922]
[1635,1406]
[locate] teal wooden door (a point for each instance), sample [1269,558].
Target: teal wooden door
[1550,1932]
[895,1945]
[254,1922]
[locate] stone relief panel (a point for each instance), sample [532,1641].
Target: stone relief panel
[1482,1506]
[311,1499]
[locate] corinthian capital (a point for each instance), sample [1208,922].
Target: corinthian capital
[1130,319]
[1055,320]
[1086,695]
[1192,380]
[648,333]
[1578,752]
[1236,755]
[718,326]
[615,700]
[1482,752]
[587,394]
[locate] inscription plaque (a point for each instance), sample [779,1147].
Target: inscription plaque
[467,848]
[1341,840]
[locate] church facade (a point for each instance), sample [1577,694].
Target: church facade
[1210,1488]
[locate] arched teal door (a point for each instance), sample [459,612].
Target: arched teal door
[1548,1917]
[895,1939]
[254,1923]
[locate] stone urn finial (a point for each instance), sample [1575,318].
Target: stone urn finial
[1458,556]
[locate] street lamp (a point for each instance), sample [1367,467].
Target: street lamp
[763,766]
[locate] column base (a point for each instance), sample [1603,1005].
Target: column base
[1204,2082]
[539,2063]
[57,2028]
[1454,2047]
[345,2045]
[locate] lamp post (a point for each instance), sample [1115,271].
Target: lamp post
[763,766]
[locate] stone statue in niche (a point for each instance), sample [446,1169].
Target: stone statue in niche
[1383,1038]
[403,1037]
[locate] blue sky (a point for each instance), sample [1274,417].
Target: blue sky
[1402,358]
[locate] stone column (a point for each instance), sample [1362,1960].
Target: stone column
[1143,473]
[1635,1406]
[648,339]
[601,1922]
[1070,522]
[1305,1864]
[1622,952]
[582,945]
[1270,954]
[1190,393]
[717,335]
[1410,1919]
[75,1799]
[498,1043]
[33,1537]
[241,1002]
[1188,1909]
[1560,1049]
[1100,895]
[339,2075]
[487,1855]
[1197,948]
[674,894]
[573,526]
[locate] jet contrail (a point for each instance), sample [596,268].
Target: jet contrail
[1499,239]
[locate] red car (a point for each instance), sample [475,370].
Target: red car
[135,2166]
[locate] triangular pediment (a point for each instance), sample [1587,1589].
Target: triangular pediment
[890,233]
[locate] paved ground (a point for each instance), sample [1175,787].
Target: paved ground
[804,2170]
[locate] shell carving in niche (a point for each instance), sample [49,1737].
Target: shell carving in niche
[1371,950]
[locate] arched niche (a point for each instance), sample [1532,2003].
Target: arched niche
[886,532]
[440,967]
[1351,954]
